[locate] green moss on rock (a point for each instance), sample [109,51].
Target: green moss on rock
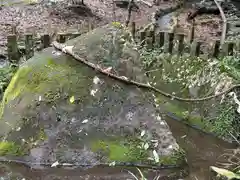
[193,120]
[42,135]
[11,148]
[120,150]
[178,157]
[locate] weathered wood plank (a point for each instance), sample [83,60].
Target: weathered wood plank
[133,29]
[195,48]
[192,32]
[169,37]
[45,40]
[142,37]
[29,46]
[216,49]
[150,39]
[227,49]
[61,37]
[161,39]
[180,43]
[12,48]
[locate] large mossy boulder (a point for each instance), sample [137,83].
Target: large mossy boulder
[58,109]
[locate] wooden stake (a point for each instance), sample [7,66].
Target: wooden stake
[13,53]
[29,46]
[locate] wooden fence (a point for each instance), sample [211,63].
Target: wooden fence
[172,43]
[169,41]
[15,51]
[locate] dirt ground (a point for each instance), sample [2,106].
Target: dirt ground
[207,27]
[42,18]
[45,18]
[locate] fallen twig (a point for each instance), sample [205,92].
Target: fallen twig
[130,6]
[146,3]
[68,50]
[224,30]
[116,164]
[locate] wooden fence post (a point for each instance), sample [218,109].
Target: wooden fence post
[150,39]
[237,46]
[13,53]
[195,48]
[14,29]
[90,26]
[169,42]
[180,44]
[216,49]
[29,49]
[61,37]
[133,29]
[227,49]
[192,32]
[45,40]
[161,39]
[142,37]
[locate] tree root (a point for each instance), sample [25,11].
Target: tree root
[69,51]
[77,165]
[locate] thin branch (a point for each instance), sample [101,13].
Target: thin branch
[77,165]
[130,6]
[114,11]
[68,50]
[224,31]
[146,3]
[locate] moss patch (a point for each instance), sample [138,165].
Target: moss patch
[120,150]
[31,80]
[42,135]
[28,79]
[189,119]
[10,148]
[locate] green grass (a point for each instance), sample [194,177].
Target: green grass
[10,148]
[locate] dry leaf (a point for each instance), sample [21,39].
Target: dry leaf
[84,121]
[55,164]
[67,49]
[156,157]
[72,99]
